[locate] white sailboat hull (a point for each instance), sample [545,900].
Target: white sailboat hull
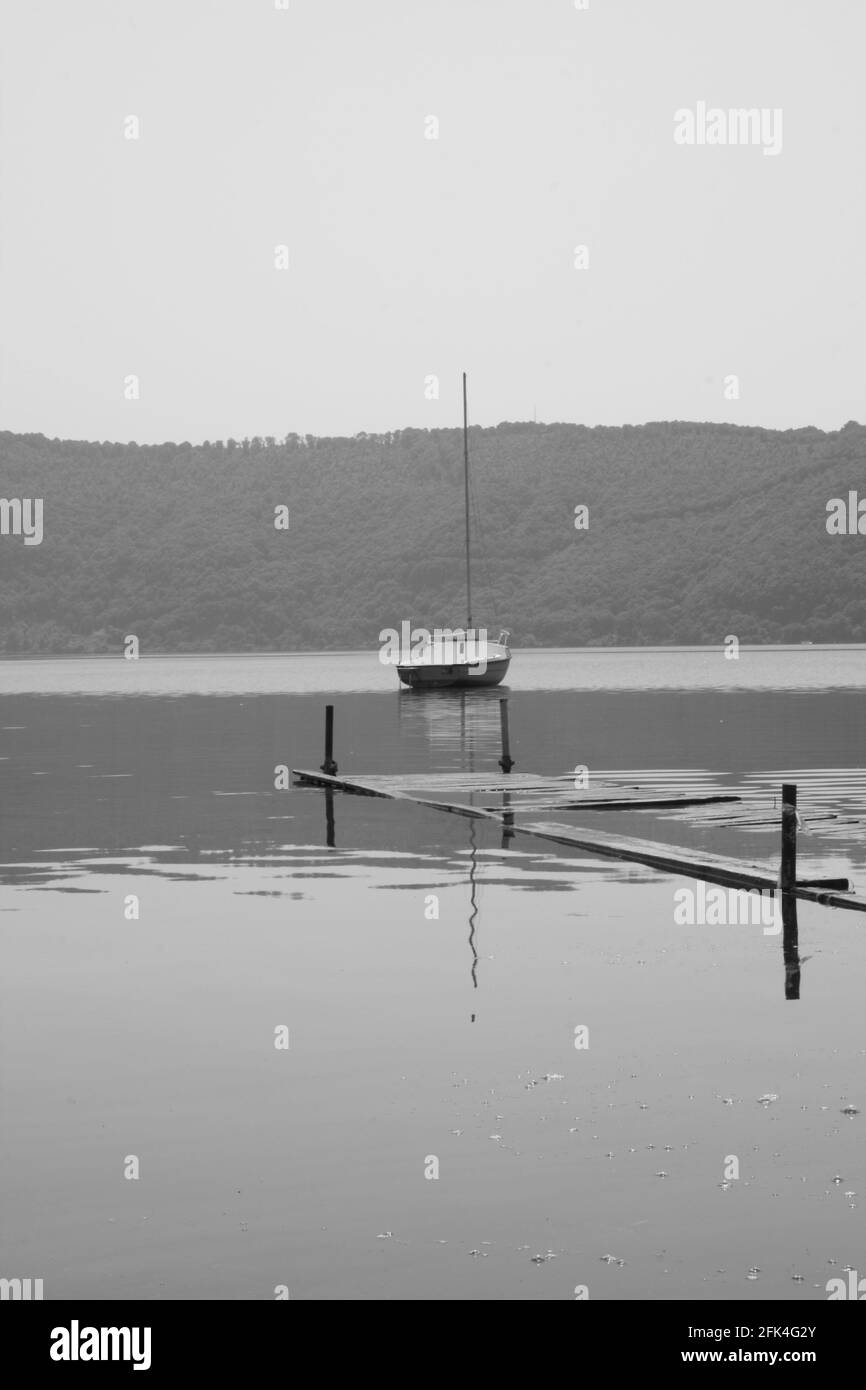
[426,675]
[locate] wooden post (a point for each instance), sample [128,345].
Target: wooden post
[329,766]
[506,762]
[788,874]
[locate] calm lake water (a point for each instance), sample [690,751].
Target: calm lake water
[411,1038]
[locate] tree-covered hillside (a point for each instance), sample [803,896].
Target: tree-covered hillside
[695,532]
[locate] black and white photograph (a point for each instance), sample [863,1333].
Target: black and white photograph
[433,663]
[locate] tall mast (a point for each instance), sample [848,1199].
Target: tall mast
[466,482]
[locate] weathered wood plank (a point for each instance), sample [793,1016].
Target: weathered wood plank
[345,784]
[677,860]
[567,802]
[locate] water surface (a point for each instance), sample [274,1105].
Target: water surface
[412,1036]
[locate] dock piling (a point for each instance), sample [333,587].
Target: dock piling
[788,874]
[506,762]
[329,766]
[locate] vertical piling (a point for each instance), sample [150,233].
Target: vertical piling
[788,874]
[506,762]
[329,766]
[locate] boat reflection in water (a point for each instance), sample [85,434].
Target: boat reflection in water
[459,728]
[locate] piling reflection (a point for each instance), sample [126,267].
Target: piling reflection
[790,946]
[464,724]
[507,820]
[330,841]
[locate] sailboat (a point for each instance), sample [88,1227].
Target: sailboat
[458,657]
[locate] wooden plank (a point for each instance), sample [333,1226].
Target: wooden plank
[614,803]
[653,853]
[515,781]
[754,815]
[674,859]
[474,783]
[345,784]
[841,883]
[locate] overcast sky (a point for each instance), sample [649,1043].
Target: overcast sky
[411,257]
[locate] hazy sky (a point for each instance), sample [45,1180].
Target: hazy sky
[411,257]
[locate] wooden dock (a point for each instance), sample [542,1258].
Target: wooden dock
[524,794]
[526,791]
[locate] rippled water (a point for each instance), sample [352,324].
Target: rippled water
[414,1037]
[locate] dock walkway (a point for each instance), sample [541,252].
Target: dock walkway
[527,793]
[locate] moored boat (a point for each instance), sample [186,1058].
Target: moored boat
[470,661]
[463,656]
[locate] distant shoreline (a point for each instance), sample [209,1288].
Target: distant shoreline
[373,652]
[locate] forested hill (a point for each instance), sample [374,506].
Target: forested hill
[695,532]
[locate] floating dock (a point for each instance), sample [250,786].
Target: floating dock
[523,794]
[526,791]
